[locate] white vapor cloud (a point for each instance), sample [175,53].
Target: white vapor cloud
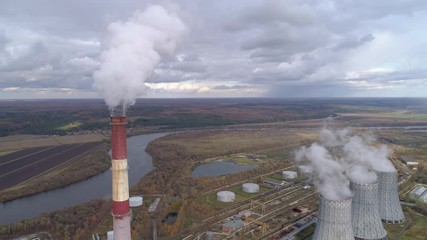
[340,157]
[132,50]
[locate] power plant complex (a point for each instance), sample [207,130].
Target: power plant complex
[121,211]
[361,216]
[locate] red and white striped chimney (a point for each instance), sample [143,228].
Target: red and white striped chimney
[119,165]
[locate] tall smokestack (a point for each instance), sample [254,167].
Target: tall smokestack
[365,216]
[119,165]
[334,220]
[388,196]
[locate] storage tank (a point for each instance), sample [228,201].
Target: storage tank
[110,235]
[250,187]
[135,201]
[365,217]
[388,197]
[225,196]
[210,235]
[334,220]
[289,174]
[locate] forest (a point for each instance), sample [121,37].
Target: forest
[61,117]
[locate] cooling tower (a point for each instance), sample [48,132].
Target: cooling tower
[121,211]
[365,215]
[334,220]
[388,197]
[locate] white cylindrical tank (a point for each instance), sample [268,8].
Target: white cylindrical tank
[135,201]
[110,235]
[250,187]
[289,174]
[225,196]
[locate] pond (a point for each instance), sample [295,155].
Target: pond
[218,168]
[170,218]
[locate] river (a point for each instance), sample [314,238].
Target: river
[97,187]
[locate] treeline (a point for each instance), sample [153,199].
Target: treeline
[50,117]
[50,122]
[70,223]
[185,121]
[421,175]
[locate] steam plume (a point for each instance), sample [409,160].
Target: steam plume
[132,50]
[331,182]
[339,157]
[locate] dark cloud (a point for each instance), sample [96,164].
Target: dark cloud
[353,42]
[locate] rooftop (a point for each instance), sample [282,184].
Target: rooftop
[234,224]
[407,158]
[424,196]
[419,190]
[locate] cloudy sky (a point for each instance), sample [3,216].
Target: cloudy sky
[239,48]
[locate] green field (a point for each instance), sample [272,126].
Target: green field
[417,231]
[70,126]
[414,228]
[397,115]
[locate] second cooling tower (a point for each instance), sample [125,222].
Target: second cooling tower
[334,220]
[388,197]
[366,220]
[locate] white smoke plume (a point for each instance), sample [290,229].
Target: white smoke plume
[361,174]
[131,51]
[360,150]
[339,157]
[331,181]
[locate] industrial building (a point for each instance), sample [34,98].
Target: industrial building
[365,215]
[289,174]
[334,220]
[419,192]
[225,196]
[276,183]
[388,197]
[408,160]
[232,225]
[424,197]
[250,187]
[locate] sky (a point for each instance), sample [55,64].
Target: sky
[239,48]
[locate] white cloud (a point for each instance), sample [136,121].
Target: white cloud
[85,62]
[349,48]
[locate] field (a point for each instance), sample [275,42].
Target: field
[202,145]
[40,169]
[19,142]
[23,165]
[413,228]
